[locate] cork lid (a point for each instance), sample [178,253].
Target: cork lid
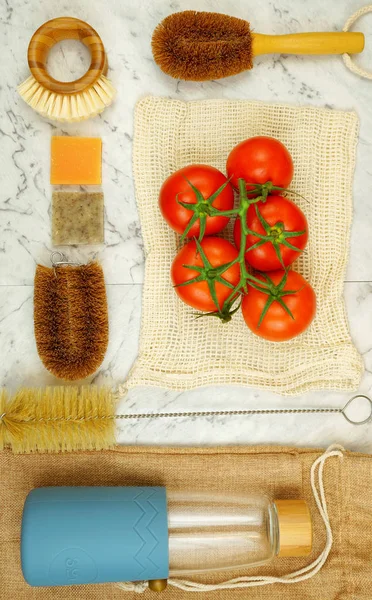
[295,528]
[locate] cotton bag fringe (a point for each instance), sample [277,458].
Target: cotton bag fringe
[177,351]
[317,487]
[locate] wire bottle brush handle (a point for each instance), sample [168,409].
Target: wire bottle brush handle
[68,418]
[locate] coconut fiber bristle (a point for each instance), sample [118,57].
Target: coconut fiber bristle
[57,419]
[71,321]
[200,46]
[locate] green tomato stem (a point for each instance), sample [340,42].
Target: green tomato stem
[211,276]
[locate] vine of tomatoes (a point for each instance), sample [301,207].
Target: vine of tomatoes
[215,276]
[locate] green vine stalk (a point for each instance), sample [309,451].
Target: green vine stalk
[203,208]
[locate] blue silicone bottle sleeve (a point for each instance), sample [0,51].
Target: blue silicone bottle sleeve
[80,535]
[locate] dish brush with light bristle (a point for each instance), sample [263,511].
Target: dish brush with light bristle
[67,100]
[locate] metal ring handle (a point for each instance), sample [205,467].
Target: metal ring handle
[56,30]
[369,418]
[57,257]
[61,260]
[349,62]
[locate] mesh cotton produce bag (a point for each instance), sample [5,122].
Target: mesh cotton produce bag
[179,352]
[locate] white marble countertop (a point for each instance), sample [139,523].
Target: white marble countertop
[126,29]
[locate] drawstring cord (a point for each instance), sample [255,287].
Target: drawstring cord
[348,60]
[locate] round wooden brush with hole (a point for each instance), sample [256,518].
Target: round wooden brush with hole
[200,46]
[66,101]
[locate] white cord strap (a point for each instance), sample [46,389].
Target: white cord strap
[133,586]
[317,487]
[349,62]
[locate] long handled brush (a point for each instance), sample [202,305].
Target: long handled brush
[63,419]
[201,46]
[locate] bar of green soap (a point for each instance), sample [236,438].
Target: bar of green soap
[77,218]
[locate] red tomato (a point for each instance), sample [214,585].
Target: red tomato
[283,219]
[217,252]
[207,180]
[259,160]
[277,325]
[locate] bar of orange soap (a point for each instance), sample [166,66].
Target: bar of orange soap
[76,160]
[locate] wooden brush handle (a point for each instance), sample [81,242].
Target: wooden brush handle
[337,42]
[56,30]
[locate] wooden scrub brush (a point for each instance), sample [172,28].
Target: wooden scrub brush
[201,46]
[70,318]
[67,100]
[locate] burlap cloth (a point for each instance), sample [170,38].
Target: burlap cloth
[178,352]
[282,472]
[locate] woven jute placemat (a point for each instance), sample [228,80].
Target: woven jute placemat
[279,472]
[178,352]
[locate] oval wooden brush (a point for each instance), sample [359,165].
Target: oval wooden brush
[70,319]
[200,46]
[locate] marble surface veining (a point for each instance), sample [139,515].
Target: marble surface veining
[25,202]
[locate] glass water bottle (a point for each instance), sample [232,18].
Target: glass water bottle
[82,535]
[214,533]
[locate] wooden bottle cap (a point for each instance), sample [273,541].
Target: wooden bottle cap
[295,528]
